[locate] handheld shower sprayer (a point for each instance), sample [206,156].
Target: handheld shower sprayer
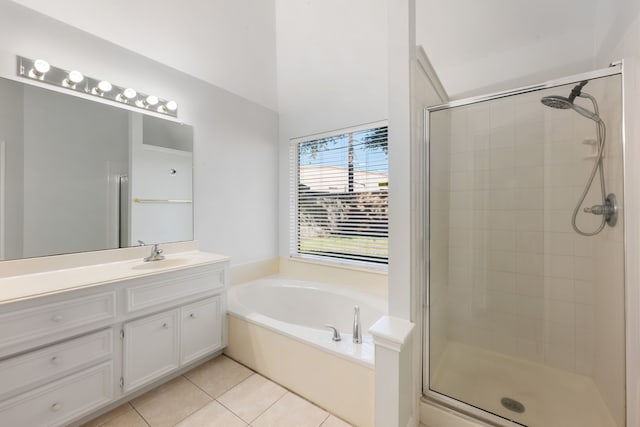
[608,209]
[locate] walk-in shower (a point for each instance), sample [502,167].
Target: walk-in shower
[525,293]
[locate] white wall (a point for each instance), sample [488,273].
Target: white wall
[332,74]
[235,140]
[230,44]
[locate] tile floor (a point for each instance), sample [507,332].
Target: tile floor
[218,393]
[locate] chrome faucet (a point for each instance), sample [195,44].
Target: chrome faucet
[357,328]
[336,334]
[156,253]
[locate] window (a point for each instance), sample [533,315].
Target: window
[339,196]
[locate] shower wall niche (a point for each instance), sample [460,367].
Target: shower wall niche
[521,306]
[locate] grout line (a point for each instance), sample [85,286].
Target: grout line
[270,406]
[257,416]
[139,414]
[198,387]
[325,420]
[226,390]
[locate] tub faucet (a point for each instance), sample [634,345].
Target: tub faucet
[336,334]
[357,328]
[156,253]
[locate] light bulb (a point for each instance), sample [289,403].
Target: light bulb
[171,106]
[73,79]
[127,95]
[151,100]
[40,68]
[103,87]
[75,76]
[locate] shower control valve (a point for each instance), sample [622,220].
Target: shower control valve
[609,210]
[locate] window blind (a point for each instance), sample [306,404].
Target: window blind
[339,196]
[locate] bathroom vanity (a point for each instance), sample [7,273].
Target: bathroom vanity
[78,339]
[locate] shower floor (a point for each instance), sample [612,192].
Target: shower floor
[551,397]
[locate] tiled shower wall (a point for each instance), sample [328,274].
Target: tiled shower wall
[520,280]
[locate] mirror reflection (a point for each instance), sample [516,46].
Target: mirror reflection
[78,175]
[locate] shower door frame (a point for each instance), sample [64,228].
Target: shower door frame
[433,397]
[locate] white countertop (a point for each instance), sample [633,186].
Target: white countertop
[26,286]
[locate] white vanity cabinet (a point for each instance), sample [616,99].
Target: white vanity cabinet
[201,330]
[151,349]
[68,354]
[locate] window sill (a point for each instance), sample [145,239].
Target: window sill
[383,271]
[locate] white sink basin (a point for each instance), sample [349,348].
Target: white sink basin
[165,263]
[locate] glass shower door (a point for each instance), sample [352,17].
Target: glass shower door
[526,312]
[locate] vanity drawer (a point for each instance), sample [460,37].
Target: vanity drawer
[24,325]
[22,372]
[159,291]
[62,401]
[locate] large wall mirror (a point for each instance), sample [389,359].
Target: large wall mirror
[78,175]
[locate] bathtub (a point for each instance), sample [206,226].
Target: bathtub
[276,327]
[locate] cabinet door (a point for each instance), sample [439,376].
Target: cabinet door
[201,329]
[151,348]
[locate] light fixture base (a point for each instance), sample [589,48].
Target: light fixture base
[68,79]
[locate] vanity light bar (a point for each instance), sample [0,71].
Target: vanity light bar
[41,70]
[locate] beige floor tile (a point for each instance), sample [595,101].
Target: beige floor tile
[334,421]
[170,403]
[130,419]
[212,415]
[108,416]
[291,411]
[252,397]
[218,375]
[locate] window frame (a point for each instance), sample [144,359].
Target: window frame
[294,225]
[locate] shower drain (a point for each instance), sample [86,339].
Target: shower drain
[512,405]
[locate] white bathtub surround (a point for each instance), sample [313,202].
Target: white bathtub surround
[369,280]
[394,350]
[241,273]
[276,326]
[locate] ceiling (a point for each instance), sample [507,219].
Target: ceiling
[475,46]
[489,45]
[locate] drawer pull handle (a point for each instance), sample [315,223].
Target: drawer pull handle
[192,315]
[57,318]
[56,407]
[165,325]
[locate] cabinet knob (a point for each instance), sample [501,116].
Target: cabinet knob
[192,315]
[57,318]
[54,359]
[165,325]
[56,407]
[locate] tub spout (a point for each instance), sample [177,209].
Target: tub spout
[357,329]
[336,334]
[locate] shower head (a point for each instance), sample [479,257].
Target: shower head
[563,103]
[556,101]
